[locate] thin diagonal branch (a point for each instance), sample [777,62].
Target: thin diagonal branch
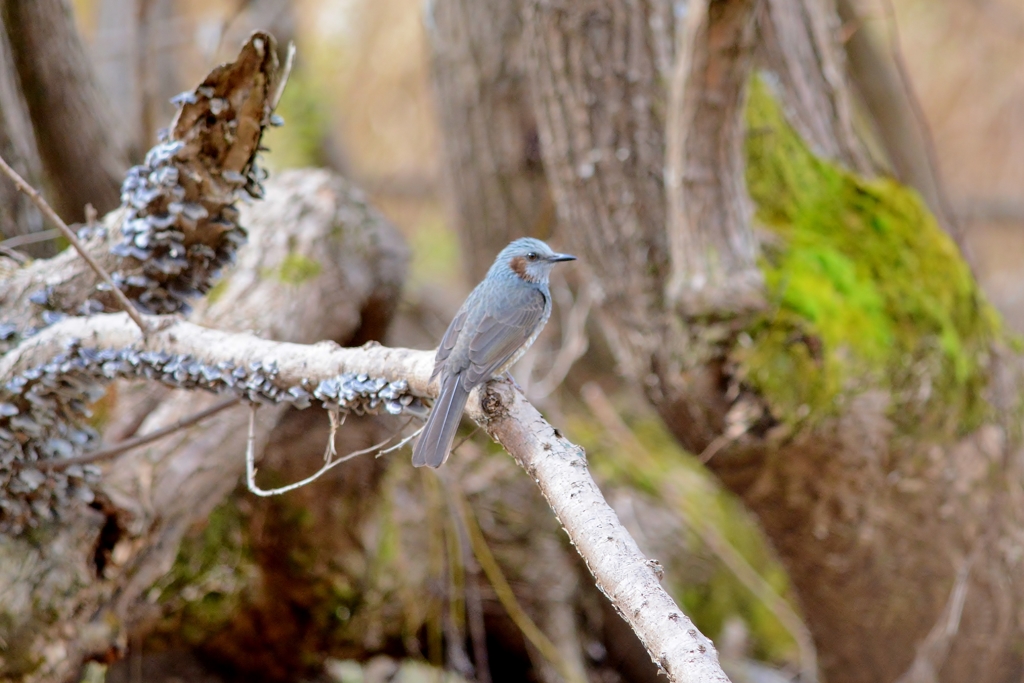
[38,200]
[117,449]
[559,467]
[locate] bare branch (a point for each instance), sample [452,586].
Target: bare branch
[621,571]
[128,444]
[329,461]
[38,200]
[12,254]
[558,466]
[30,238]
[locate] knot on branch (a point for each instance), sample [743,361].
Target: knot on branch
[496,399]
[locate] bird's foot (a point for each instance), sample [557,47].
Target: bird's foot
[512,380]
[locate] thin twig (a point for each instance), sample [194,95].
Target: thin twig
[337,419]
[283,75]
[38,200]
[329,462]
[129,444]
[933,651]
[466,438]
[30,238]
[16,256]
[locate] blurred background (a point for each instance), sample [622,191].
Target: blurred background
[360,101]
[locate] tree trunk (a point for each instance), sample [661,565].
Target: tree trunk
[17,146]
[711,240]
[594,73]
[874,455]
[74,128]
[488,121]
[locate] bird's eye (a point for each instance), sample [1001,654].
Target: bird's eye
[532,256]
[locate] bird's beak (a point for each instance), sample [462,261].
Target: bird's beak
[561,257]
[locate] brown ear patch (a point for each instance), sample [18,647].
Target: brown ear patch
[518,266]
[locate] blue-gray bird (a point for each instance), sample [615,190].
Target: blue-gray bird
[498,322]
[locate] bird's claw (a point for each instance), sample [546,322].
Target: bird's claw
[512,380]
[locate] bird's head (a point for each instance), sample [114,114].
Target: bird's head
[529,259]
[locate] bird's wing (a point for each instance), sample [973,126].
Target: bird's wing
[451,335]
[505,327]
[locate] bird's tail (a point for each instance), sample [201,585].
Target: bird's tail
[439,432]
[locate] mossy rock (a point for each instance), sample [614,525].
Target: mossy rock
[865,291]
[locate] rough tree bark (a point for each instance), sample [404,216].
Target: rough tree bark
[73,126]
[888,501]
[17,145]
[488,121]
[797,43]
[597,64]
[710,236]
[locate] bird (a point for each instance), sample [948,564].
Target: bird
[495,326]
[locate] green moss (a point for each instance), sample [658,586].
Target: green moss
[218,290]
[208,578]
[296,269]
[865,289]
